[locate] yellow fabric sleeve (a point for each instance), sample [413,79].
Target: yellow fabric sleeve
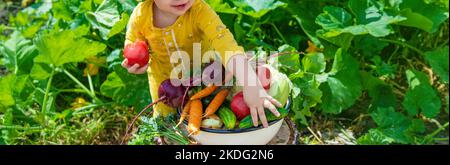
[216,33]
[133,33]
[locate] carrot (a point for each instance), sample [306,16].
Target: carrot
[195,116]
[216,102]
[185,112]
[204,92]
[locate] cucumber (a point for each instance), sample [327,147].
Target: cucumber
[247,121]
[228,117]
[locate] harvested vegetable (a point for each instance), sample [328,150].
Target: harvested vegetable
[204,92]
[212,121]
[247,121]
[185,112]
[136,53]
[280,87]
[228,117]
[216,102]
[168,94]
[239,107]
[195,116]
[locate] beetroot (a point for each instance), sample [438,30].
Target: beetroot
[136,53]
[239,107]
[169,94]
[173,94]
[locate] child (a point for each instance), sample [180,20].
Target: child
[171,25]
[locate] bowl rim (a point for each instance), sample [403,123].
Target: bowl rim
[236,131]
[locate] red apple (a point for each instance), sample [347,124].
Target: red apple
[136,53]
[239,107]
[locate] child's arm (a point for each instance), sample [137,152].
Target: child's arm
[133,34]
[222,40]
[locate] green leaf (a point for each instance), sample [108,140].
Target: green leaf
[343,41]
[381,94]
[368,45]
[306,19]
[127,89]
[18,53]
[370,19]
[438,59]
[6,95]
[305,95]
[374,137]
[421,97]
[61,11]
[104,18]
[334,18]
[256,8]
[340,91]
[288,63]
[365,11]
[221,7]
[314,62]
[431,11]
[40,71]
[119,26]
[31,31]
[416,20]
[392,124]
[64,47]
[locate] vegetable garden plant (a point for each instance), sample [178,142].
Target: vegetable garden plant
[364,71]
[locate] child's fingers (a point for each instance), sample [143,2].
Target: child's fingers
[274,101]
[271,107]
[254,114]
[133,68]
[262,116]
[125,63]
[142,69]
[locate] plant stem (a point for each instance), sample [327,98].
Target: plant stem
[403,44]
[90,84]
[279,33]
[81,85]
[47,91]
[439,130]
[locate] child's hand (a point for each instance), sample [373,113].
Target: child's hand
[257,99]
[135,69]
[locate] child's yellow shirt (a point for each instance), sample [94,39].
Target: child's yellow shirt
[200,24]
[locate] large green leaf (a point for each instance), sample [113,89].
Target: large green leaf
[221,7]
[104,18]
[63,47]
[334,18]
[257,8]
[438,59]
[287,63]
[18,53]
[306,19]
[119,26]
[375,137]
[381,94]
[314,62]
[421,97]
[420,14]
[6,95]
[127,89]
[365,11]
[340,91]
[397,126]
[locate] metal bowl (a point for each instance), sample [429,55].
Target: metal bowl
[249,136]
